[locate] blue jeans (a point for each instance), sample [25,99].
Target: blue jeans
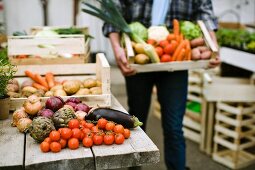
[172,96]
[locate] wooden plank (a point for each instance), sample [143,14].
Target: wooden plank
[191,124]
[129,49]
[192,135]
[137,150]
[81,158]
[12,146]
[204,122]
[171,66]
[194,98]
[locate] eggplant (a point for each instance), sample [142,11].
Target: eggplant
[119,117]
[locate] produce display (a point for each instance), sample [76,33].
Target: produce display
[48,86]
[58,124]
[240,39]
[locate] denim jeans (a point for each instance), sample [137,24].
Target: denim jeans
[172,96]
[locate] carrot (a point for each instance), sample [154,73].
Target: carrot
[39,86]
[50,79]
[181,55]
[39,79]
[171,37]
[182,45]
[176,27]
[188,52]
[30,74]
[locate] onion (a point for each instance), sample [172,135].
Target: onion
[17,115]
[23,124]
[54,103]
[82,107]
[46,113]
[80,115]
[32,105]
[71,104]
[73,100]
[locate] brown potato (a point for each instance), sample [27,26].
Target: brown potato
[206,55]
[59,92]
[195,54]
[12,88]
[203,48]
[49,94]
[14,94]
[96,90]
[141,59]
[139,49]
[99,83]
[89,82]
[197,42]
[83,91]
[57,87]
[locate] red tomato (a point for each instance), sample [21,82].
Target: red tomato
[82,135]
[152,42]
[54,135]
[45,147]
[159,51]
[66,133]
[126,133]
[55,147]
[86,130]
[74,123]
[87,142]
[89,125]
[76,133]
[109,126]
[94,129]
[109,139]
[73,143]
[169,49]
[98,139]
[118,128]
[119,138]
[163,43]
[165,58]
[47,140]
[83,123]
[101,123]
[63,143]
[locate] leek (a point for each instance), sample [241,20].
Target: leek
[110,14]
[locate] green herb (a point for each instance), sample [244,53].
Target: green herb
[111,15]
[7,71]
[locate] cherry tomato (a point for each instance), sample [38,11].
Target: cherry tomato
[87,142]
[54,135]
[118,128]
[89,125]
[86,130]
[82,135]
[76,133]
[126,133]
[47,140]
[119,138]
[169,49]
[101,123]
[66,133]
[109,139]
[165,58]
[98,139]
[73,143]
[152,42]
[45,146]
[109,126]
[83,123]
[94,129]
[55,147]
[63,143]
[163,43]
[74,123]
[159,51]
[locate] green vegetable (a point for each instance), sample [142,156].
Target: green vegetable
[139,29]
[251,46]
[190,30]
[110,14]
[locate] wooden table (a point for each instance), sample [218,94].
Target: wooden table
[19,151]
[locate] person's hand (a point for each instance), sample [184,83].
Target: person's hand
[214,62]
[122,62]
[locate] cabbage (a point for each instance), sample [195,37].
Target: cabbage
[190,30]
[139,29]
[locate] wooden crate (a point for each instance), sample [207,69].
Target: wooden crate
[99,70]
[227,90]
[234,139]
[46,50]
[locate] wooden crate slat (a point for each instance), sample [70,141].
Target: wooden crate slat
[194,98]
[191,124]
[225,143]
[190,134]
[103,72]
[12,146]
[228,108]
[193,115]
[226,131]
[227,119]
[195,88]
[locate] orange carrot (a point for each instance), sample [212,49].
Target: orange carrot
[171,37]
[50,79]
[181,55]
[30,74]
[176,27]
[39,86]
[182,45]
[188,52]
[39,79]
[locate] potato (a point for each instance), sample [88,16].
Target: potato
[141,59]
[197,42]
[28,91]
[59,92]
[99,83]
[139,49]
[57,87]
[49,94]
[14,94]
[13,81]
[26,83]
[96,90]
[82,91]
[12,87]
[40,93]
[206,55]
[195,54]
[203,48]
[89,82]
[71,86]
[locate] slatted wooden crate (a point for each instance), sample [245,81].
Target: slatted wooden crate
[48,50]
[234,139]
[99,70]
[226,90]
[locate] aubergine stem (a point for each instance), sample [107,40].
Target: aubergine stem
[136,121]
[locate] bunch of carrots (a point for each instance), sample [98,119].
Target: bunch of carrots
[43,83]
[174,47]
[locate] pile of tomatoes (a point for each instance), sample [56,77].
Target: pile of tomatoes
[89,134]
